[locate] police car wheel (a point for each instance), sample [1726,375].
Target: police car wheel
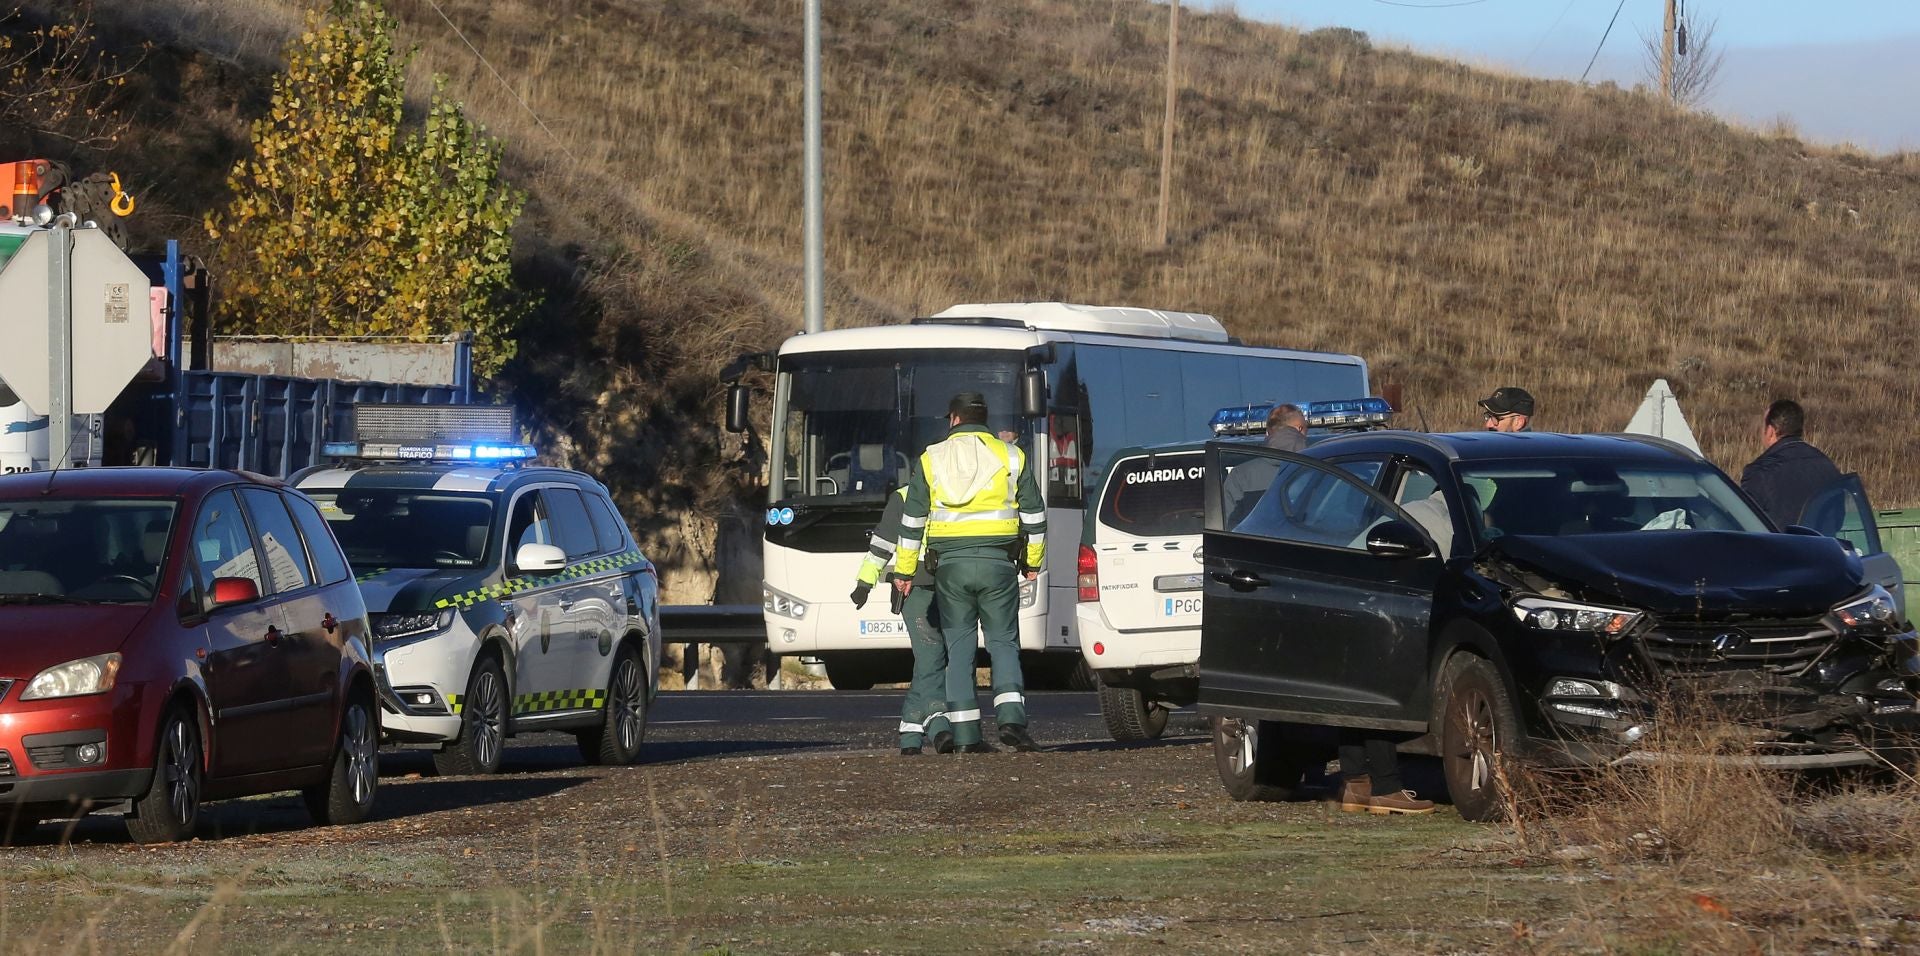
[483,724]
[616,742]
[1254,764]
[347,796]
[1130,715]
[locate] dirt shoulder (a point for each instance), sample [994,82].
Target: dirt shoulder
[1120,850]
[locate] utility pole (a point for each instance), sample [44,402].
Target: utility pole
[1666,55]
[1166,134]
[815,299]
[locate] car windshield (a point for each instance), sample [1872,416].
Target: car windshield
[850,422]
[106,550]
[1586,496]
[383,528]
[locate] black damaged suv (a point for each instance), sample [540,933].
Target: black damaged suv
[1530,594]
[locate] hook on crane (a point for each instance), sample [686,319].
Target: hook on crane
[122,204]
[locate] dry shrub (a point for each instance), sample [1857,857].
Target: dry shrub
[1714,853]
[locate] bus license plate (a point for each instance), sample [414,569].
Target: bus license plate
[883,628]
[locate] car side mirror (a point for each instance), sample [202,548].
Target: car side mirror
[1396,539]
[1033,393]
[737,407]
[539,557]
[230,591]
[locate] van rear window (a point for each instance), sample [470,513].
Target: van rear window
[1156,497]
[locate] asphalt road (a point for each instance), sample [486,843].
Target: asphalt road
[709,725]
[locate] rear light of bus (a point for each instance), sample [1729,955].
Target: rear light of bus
[1089,571]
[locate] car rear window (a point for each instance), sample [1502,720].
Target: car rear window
[1156,496]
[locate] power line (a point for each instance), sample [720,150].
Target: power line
[1603,40]
[503,80]
[1543,37]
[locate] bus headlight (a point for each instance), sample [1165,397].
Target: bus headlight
[782,603]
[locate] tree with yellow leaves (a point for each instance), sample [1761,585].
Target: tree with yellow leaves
[345,222]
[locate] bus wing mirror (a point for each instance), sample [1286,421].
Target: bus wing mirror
[737,397]
[1033,393]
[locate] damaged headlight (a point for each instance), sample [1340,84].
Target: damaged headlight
[1872,609]
[1546,614]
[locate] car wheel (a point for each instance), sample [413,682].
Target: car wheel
[347,796]
[616,742]
[1254,764]
[1080,677]
[483,724]
[167,812]
[849,673]
[1478,731]
[1130,715]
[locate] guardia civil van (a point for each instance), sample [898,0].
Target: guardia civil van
[504,598]
[1139,576]
[853,408]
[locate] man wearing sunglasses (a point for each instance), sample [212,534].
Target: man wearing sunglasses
[1508,409]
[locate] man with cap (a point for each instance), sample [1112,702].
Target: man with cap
[973,504]
[1508,409]
[922,714]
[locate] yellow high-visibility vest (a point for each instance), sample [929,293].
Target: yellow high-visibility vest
[992,512]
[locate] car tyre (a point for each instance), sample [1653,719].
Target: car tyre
[170,808]
[1130,715]
[850,673]
[1478,730]
[1080,677]
[1254,764]
[484,714]
[347,796]
[616,742]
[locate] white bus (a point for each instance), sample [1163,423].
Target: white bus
[854,408]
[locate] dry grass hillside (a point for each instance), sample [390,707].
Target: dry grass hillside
[1459,228]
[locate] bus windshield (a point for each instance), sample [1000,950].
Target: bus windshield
[848,424]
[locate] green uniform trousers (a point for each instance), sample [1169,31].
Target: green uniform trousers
[981,595]
[923,714]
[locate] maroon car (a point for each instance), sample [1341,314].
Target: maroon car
[170,636]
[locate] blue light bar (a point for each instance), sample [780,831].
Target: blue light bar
[437,451]
[1345,413]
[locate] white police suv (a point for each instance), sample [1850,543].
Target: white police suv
[504,598]
[1140,577]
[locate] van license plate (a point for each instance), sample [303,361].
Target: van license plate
[1176,606]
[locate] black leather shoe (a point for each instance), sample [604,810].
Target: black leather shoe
[909,751]
[981,747]
[1016,736]
[943,742]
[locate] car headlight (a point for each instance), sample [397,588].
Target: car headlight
[1546,614]
[407,625]
[88,675]
[1875,608]
[782,603]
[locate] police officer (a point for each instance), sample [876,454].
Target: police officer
[1508,409]
[923,713]
[973,500]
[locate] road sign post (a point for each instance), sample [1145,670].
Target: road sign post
[59,402]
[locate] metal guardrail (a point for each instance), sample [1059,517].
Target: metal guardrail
[713,624]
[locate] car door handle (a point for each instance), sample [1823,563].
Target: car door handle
[1240,580]
[567,605]
[273,636]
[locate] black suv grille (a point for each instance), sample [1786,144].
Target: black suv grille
[1787,646]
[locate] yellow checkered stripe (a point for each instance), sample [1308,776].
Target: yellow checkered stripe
[551,700]
[453,702]
[513,586]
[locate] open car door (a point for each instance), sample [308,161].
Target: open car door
[1318,594]
[1842,511]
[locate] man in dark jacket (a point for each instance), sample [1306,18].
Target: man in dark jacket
[1790,471]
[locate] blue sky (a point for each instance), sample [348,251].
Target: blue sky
[1840,70]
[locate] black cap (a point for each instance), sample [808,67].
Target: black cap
[964,400]
[1508,401]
